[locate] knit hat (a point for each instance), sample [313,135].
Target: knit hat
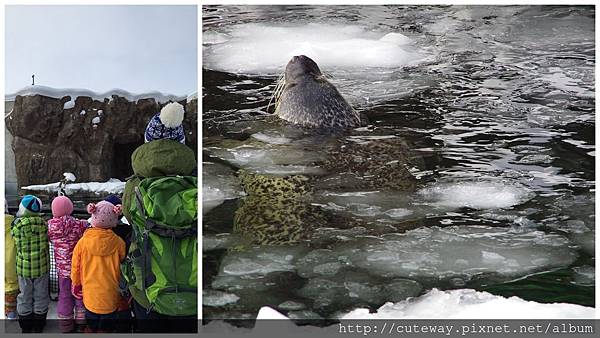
[104,214]
[166,124]
[114,199]
[29,205]
[61,206]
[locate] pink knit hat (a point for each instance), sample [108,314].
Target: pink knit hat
[61,206]
[104,214]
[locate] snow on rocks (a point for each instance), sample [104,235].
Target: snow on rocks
[75,92]
[70,177]
[112,186]
[69,104]
[471,304]
[460,251]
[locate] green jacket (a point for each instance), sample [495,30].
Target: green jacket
[154,159]
[31,242]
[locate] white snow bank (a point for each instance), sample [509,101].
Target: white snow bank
[471,304]
[75,92]
[266,312]
[112,186]
[266,48]
[461,252]
[484,195]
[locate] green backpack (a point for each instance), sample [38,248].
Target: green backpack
[162,263]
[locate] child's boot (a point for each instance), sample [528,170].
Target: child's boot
[66,324]
[26,323]
[39,322]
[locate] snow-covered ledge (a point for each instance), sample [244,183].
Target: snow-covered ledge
[112,186]
[76,92]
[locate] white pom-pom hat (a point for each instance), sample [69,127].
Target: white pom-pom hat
[171,115]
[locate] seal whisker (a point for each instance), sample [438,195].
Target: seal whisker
[279,85]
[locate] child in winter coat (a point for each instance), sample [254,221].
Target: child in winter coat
[96,271]
[11,282]
[33,264]
[64,232]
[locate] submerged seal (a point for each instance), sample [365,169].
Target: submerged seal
[309,100]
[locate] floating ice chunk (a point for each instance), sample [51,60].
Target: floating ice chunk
[396,38]
[218,298]
[219,241]
[290,305]
[260,261]
[349,288]
[266,48]
[100,112]
[461,251]
[96,120]
[471,304]
[320,262]
[218,184]
[586,240]
[585,275]
[69,104]
[271,139]
[475,195]
[69,177]
[303,315]
[276,160]
[82,112]
[367,204]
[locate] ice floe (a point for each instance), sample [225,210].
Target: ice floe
[460,251]
[218,298]
[218,184]
[266,48]
[475,195]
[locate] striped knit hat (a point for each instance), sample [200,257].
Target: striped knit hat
[166,124]
[29,205]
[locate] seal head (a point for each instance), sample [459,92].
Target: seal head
[309,100]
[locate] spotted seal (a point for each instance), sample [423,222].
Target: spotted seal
[277,209]
[309,100]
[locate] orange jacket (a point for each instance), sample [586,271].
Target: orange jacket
[96,260]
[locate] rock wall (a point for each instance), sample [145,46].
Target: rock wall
[92,138]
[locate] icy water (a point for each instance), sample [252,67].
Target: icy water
[496,107]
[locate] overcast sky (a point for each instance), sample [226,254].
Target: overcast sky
[136,48]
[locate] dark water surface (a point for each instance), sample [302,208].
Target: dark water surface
[505,100]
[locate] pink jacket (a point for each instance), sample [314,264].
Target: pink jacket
[64,233]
